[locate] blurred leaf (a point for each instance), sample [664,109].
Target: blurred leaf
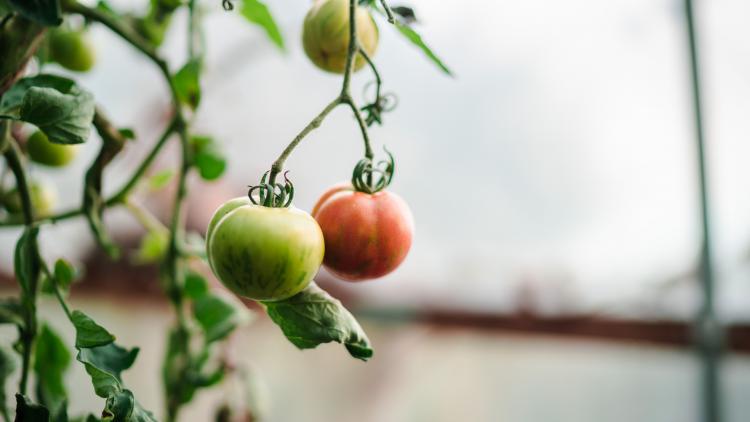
[64,273]
[51,360]
[208,157]
[45,12]
[416,39]
[88,332]
[313,317]
[5,8]
[218,316]
[28,411]
[122,406]
[405,14]
[11,311]
[187,84]
[153,247]
[105,365]
[195,285]
[7,367]
[256,12]
[160,179]
[65,117]
[26,261]
[13,98]
[127,133]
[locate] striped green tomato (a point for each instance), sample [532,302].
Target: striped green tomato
[264,253]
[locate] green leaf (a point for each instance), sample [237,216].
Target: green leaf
[64,273]
[51,360]
[218,316]
[153,247]
[7,367]
[89,333]
[13,98]
[26,261]
[195,285]
[4,8]
[65,118]
[187,84]
[11,311]
[313,317]
[160,179]
[105,365]
[45,12]
[122,406]
[28,411]
[256,12]
[208,157]
[416,39]
[127,133]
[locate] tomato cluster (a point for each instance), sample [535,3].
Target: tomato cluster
[267,253]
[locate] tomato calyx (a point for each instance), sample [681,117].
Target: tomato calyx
[273,195]
[370,177]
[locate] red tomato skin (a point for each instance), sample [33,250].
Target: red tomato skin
[366,235]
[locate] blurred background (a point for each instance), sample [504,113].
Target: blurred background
[555,190]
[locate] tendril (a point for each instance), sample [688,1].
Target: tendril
[372,177]
[278,195]
[382,103]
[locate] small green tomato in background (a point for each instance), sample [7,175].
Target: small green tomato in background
[264,253]
[325,35]
[42,151]
[43,199]
[71,49]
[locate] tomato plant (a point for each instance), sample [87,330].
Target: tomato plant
[259,246]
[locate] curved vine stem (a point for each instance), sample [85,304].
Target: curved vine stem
[344,97]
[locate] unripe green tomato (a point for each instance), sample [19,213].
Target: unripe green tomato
[43,199]
[42,151]
[325,35]
[220,212]
[265,253]
[71,49]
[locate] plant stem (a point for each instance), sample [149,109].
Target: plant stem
[28,295]
[708,327]
[344,97]
[172,266]
[388,12]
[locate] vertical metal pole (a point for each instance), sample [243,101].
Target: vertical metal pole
[708,330]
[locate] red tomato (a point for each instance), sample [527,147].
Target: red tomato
[366,235]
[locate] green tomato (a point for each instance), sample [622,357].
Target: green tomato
[325,35]
[265,253]
[71,49]
[223,210]
[43,199]
[42,151]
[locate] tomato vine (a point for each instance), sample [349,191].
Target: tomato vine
[64,113]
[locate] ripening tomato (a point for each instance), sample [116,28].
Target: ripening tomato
[43,199]
[264,253]
[42,151]
[366,235]
[325,35]
[71,49]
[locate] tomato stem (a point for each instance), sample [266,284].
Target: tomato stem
[344,97]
